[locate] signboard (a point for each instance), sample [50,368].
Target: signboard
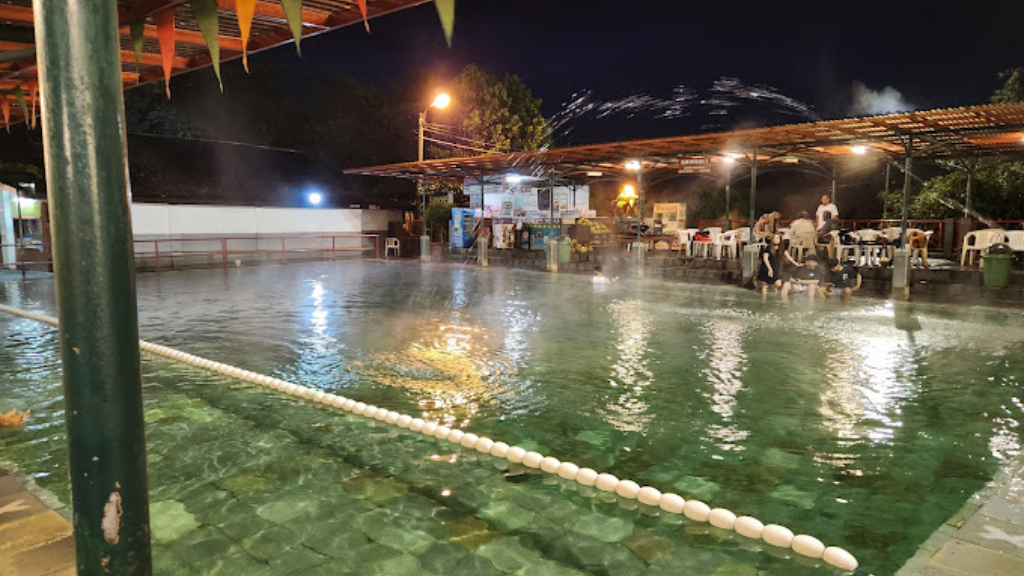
[697,165]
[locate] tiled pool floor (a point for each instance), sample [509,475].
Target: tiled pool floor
[985,537]
[34,540]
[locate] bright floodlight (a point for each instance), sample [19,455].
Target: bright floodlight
[513,178]
[315,198]
[442,101]
[860,150]
[633,165]
[729,160]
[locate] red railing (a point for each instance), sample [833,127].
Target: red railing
[161,252]
[21,250]
[228,249]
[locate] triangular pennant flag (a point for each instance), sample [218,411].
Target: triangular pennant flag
[34,91]
[446,10]
[205,13]
[293,13]
[138,29]
[244,10]
[6,105]
[21,100]
[362,10]
[164,21]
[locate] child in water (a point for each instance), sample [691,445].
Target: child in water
[599,277]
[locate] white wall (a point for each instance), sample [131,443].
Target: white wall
[173,221]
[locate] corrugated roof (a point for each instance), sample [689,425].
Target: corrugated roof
[952,132]
[269,29]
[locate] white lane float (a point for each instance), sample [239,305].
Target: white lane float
[746,526]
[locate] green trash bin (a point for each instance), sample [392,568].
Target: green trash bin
[565,250]
[998,261]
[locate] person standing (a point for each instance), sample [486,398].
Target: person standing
[767,226]
[826,211]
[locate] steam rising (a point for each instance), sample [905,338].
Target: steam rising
[869,102]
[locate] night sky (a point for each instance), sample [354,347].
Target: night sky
[935,53]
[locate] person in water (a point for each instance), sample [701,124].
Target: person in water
[599,277]
[772,256]
[845,279]
[806,279]
[12,418]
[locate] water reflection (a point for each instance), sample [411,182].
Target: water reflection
[727,362]
[630,375]
[451,369]
[869,380]
[318,349]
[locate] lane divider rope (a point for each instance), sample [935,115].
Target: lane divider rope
[747,526]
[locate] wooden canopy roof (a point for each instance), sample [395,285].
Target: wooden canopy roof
[269,29]
[953,132]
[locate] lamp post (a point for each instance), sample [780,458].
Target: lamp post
[440,102]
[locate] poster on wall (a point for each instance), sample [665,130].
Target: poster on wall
[503,236]
[669,216]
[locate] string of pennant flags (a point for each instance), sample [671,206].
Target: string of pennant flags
[206,17]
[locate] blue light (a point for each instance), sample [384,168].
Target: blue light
[314,198]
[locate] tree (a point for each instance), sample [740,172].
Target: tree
[488,115]
[997,184]
[1012,89]
[499,114]
[147,111]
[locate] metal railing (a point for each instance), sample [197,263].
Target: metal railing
[160,253]
[225,251]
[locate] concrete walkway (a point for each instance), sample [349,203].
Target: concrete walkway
[34,540]
[985,538]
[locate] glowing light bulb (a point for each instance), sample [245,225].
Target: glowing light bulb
[633,165]
[860,149]
[442,101]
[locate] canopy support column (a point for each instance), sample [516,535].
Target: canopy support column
[87,178]
[753,194]
[750,251]
[901,258]
[835,184]
[728,193]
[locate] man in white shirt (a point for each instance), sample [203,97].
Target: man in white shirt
[826,211]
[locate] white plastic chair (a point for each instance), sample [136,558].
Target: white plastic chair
[707,249]
[921,254]
[726,244]
[978,241]
[685,237]
[392,244]
[1015,239]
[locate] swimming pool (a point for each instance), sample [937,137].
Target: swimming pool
[866,425]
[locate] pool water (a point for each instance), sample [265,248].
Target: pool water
[865,424]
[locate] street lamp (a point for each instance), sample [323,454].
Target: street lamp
[441,101]
[638,167]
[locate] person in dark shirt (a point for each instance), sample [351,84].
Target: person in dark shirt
[772,256]
[805,279]
[844,279]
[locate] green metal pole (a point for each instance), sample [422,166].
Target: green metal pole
[87,179]
[907,182]
[640,202]
[728,193]
[753,194]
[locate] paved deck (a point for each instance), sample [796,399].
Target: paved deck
[985,538]
[35,540]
